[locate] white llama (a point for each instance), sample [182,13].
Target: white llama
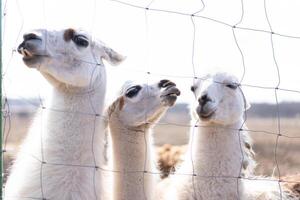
[221,152]
[58,158]
[131,118]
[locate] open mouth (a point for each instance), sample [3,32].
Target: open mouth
[172,95]
[28,49]
[173,92]
[27,55]
[169,95]
[29,58]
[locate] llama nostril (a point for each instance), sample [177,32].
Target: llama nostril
[165,83]
[31,36]
[204,99]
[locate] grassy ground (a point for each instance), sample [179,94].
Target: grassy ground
[288,149]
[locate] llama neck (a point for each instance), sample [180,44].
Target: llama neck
[218,147]
[68,135]
[72,125]
[217,156]
[132,151]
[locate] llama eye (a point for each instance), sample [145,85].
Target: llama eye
[81,40]
[133,91]
[193,88]
[232,85]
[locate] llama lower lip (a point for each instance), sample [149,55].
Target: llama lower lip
[31,57]
[26,54]
[172,95]
[173,92]
[205,115]
[32,60]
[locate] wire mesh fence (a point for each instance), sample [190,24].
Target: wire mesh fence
[95,114]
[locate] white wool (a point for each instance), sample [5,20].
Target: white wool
[130,122]
[221,153]
[68,135]
[216,149]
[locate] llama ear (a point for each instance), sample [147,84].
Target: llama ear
[247,106]
[118,104]
[112,56]
[121,103]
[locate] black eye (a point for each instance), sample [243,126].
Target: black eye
[81,40]
[232,85]
[193,88]
[133,91]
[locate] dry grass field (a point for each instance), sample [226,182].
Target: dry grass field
[288,149]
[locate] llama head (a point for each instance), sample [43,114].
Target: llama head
[66,57]
[143,104]
[220,99]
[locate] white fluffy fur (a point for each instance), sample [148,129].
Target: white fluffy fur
[216,148]
[67,135]
[130,122]
[220,152]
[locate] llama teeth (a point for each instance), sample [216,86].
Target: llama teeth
[172,95]
[27,53]
[21,50]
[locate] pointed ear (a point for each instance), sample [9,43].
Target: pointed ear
[111,56]
[248,105]
[121,103]
[117,105]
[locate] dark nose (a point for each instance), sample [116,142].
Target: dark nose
[204,99]
[30,36]
[165,83]
[27,37]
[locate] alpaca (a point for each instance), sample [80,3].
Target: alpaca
[59,158]
[131,118]
[220,150]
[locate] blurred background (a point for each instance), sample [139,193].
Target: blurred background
[178,47]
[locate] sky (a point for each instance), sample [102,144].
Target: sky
[168,45]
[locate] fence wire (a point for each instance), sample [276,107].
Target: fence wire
[7,126]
